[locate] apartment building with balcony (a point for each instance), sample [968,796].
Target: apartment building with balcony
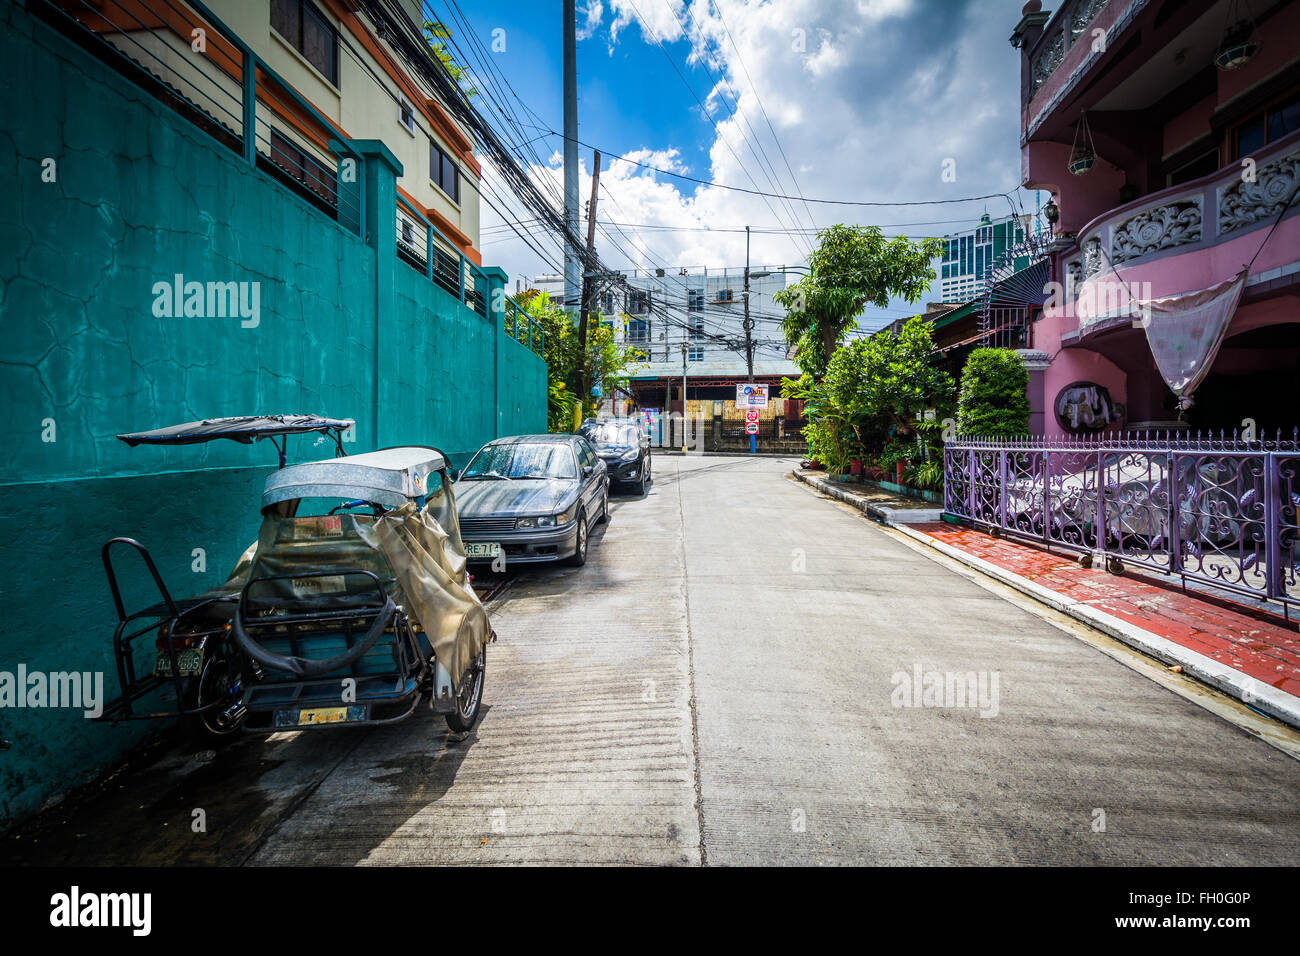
[693,318]
[1168,134]
[327,74]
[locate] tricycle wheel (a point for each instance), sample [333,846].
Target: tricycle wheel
[220,680]
[470,698]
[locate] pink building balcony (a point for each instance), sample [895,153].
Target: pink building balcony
[1174,241]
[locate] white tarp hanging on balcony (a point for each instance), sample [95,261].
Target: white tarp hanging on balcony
[1185,331]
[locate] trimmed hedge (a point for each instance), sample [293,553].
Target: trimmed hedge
[992,402]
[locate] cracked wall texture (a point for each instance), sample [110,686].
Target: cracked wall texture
[141,196]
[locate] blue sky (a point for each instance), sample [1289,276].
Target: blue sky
[867,100]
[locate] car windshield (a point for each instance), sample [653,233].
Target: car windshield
[522,460]
[611,433]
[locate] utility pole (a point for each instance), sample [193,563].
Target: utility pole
[683,396]
[588,286]
[572,264]
[749,324]
[749,332]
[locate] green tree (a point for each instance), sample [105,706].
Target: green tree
[607,363]
[873,389]
[852,267]
[434,35]
[887,380]
[993,402]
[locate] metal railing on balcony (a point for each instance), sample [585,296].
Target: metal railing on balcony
[521,327]
[422,246]
[184,56]
[1218,511]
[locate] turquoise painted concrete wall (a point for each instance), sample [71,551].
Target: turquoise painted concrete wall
[345,330]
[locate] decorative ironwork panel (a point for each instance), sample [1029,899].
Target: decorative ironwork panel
[1135,489]
[1222,510]
[986,492]
[1161,227]
[1025,483]
[1084,14]
[1243,203]
[1049,59]
[1071,498]
[956,482]
[1286,470]
[1091,258]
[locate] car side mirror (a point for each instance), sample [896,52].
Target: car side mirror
[587,471]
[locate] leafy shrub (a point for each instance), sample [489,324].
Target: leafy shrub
[992,402]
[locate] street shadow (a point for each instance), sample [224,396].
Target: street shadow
[173,805]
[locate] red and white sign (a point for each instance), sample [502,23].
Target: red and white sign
[751,414]
[751,428]
[751,395]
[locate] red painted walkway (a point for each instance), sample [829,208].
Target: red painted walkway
[1250,641]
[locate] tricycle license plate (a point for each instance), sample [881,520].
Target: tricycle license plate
[483,549]
[190,663]
[322,715]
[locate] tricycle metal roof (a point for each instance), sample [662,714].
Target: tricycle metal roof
[244,428]
[390,477]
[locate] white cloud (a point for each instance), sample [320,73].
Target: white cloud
[881,93]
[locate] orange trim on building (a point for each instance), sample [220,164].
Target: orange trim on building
[449,229]
[134,15]
[431,109]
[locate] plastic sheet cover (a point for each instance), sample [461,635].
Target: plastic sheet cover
[1185,331]
[420,563]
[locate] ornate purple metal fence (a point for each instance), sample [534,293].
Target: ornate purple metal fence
[1222,511]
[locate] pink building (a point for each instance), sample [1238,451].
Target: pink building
[1168,133]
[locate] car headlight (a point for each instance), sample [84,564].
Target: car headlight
[564,517]
[632,455]
[526,523]
[546,521]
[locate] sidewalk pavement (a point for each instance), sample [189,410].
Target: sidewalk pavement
[1246,653]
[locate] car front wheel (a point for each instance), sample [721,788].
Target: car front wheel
[579,556]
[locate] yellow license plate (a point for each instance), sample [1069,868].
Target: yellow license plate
[322,715]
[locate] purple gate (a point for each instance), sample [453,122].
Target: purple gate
[1221,511]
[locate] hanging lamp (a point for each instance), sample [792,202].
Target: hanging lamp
[1083,153]
[1240,40]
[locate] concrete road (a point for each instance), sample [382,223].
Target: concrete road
[724,682]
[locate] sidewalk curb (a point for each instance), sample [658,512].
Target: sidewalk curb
[1277,704]
[894,517]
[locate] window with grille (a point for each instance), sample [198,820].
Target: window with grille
[695,300]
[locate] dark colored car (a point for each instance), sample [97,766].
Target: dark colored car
[531,498]
[624,447]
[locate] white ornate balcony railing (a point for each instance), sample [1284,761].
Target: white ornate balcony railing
[1196,215]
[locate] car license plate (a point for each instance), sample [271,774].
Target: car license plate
[190,663]
[322,715]
[483,549]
